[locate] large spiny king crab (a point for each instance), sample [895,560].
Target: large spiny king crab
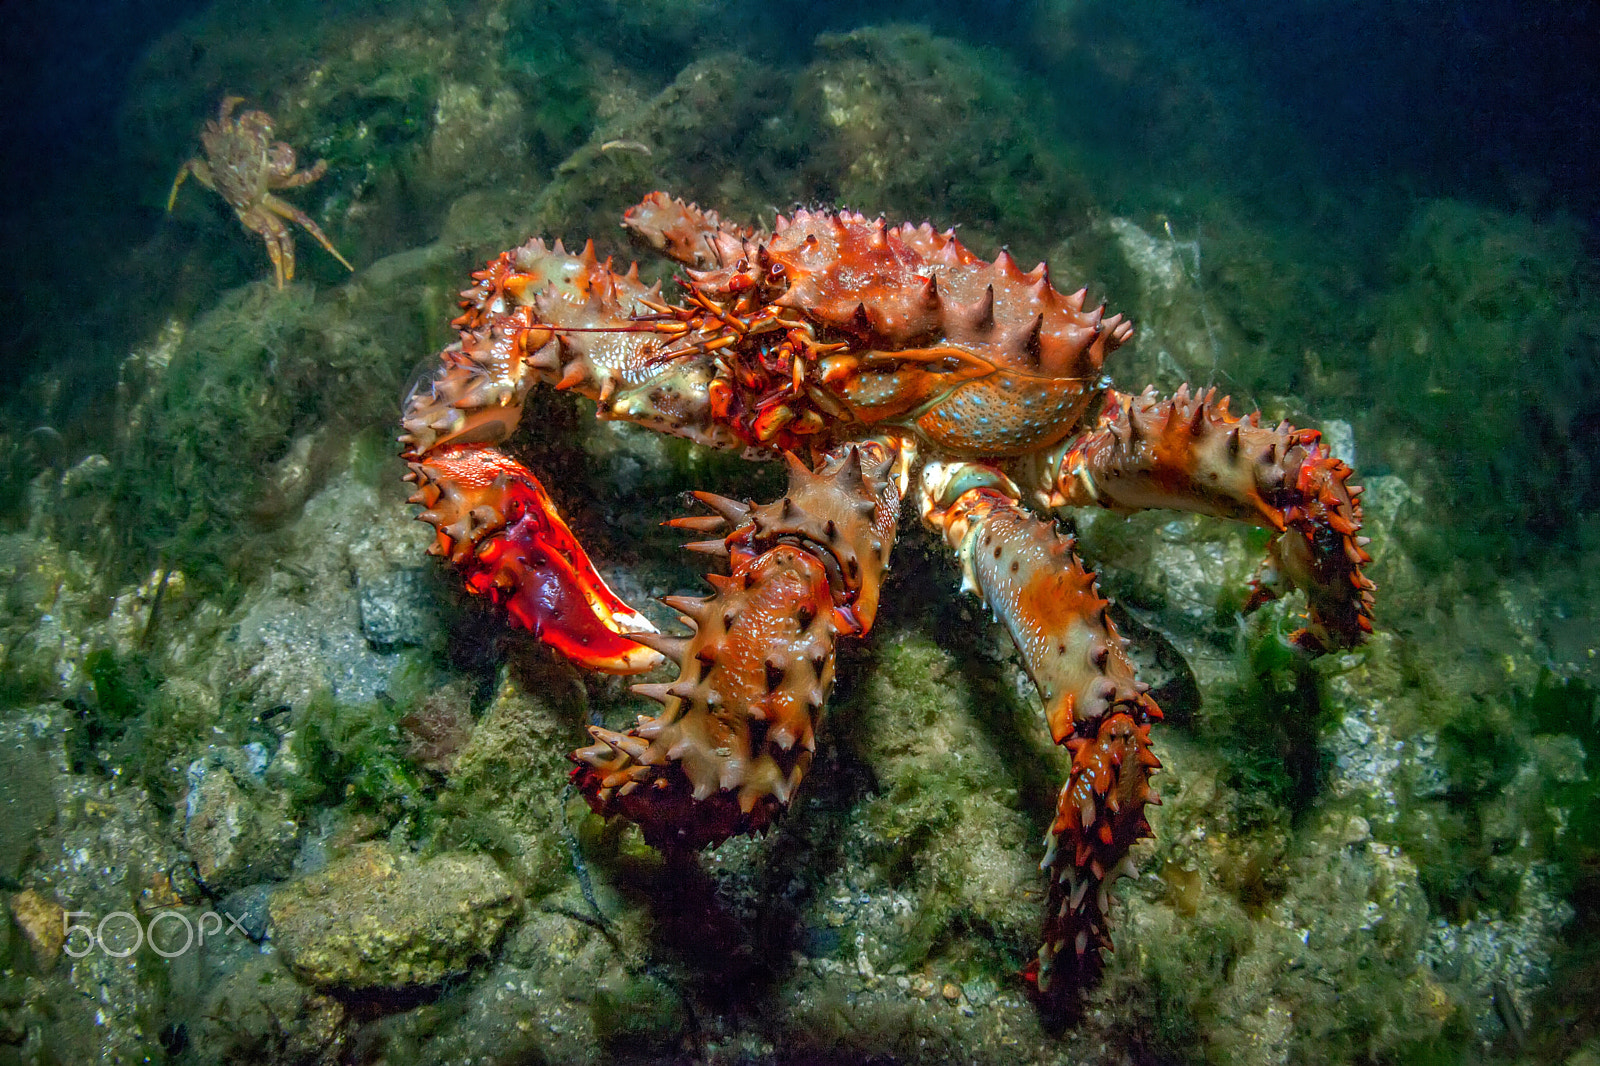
[896,363]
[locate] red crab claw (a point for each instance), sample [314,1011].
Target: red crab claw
[498,525]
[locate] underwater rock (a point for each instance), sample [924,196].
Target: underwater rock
[1501,956]
[107,858]
[27,795]
[378,920]
[944,841]
[46,608]
[236,834]
[303,630]
[248,907]
[438,730]
[41,925]
[396,610]
[507,782]
[897,119]
[257,1012]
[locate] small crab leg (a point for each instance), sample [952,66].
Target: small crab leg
[1189,454]
[280,245]
[1027,573]
[297,178]
[738,726]
[289,211]
[201,172]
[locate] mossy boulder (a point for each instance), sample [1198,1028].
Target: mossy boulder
[379,920]
[236,834]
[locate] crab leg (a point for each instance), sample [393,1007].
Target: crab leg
[1188,453]
[1027,574]
[738,726]
[289,211]
[201,172]
[280,245]
[293,179]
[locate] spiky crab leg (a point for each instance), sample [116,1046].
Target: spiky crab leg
[1027,574]
[1188,453]
[738,726]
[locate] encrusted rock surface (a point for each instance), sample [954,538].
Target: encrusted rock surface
[236,835]
[377,920]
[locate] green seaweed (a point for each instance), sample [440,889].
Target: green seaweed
[98,733]
[638,1014]
[1172,1016]
[1266,726]
[1484,351]
[1570,706]
[354,754]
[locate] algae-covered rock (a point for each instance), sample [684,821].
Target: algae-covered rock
[41,925]
[259,1013]
[948,827]
[507,788]
[1484,352]
[885,108]
[378,920]
[27,795]
[237,835]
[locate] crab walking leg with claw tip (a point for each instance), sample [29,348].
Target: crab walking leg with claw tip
[738,726]
[1026,572]
[1188,453]
[264,220]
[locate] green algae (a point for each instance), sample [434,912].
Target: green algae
[1570,707]
[1483,351]
[355,755]
[1268,725]
[637,1014]
[885,109]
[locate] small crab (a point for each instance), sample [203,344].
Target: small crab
[244,164]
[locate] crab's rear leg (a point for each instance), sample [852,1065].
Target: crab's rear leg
[1027,573]
[289,211]
[737,727]
[201,172]
[1188,453]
